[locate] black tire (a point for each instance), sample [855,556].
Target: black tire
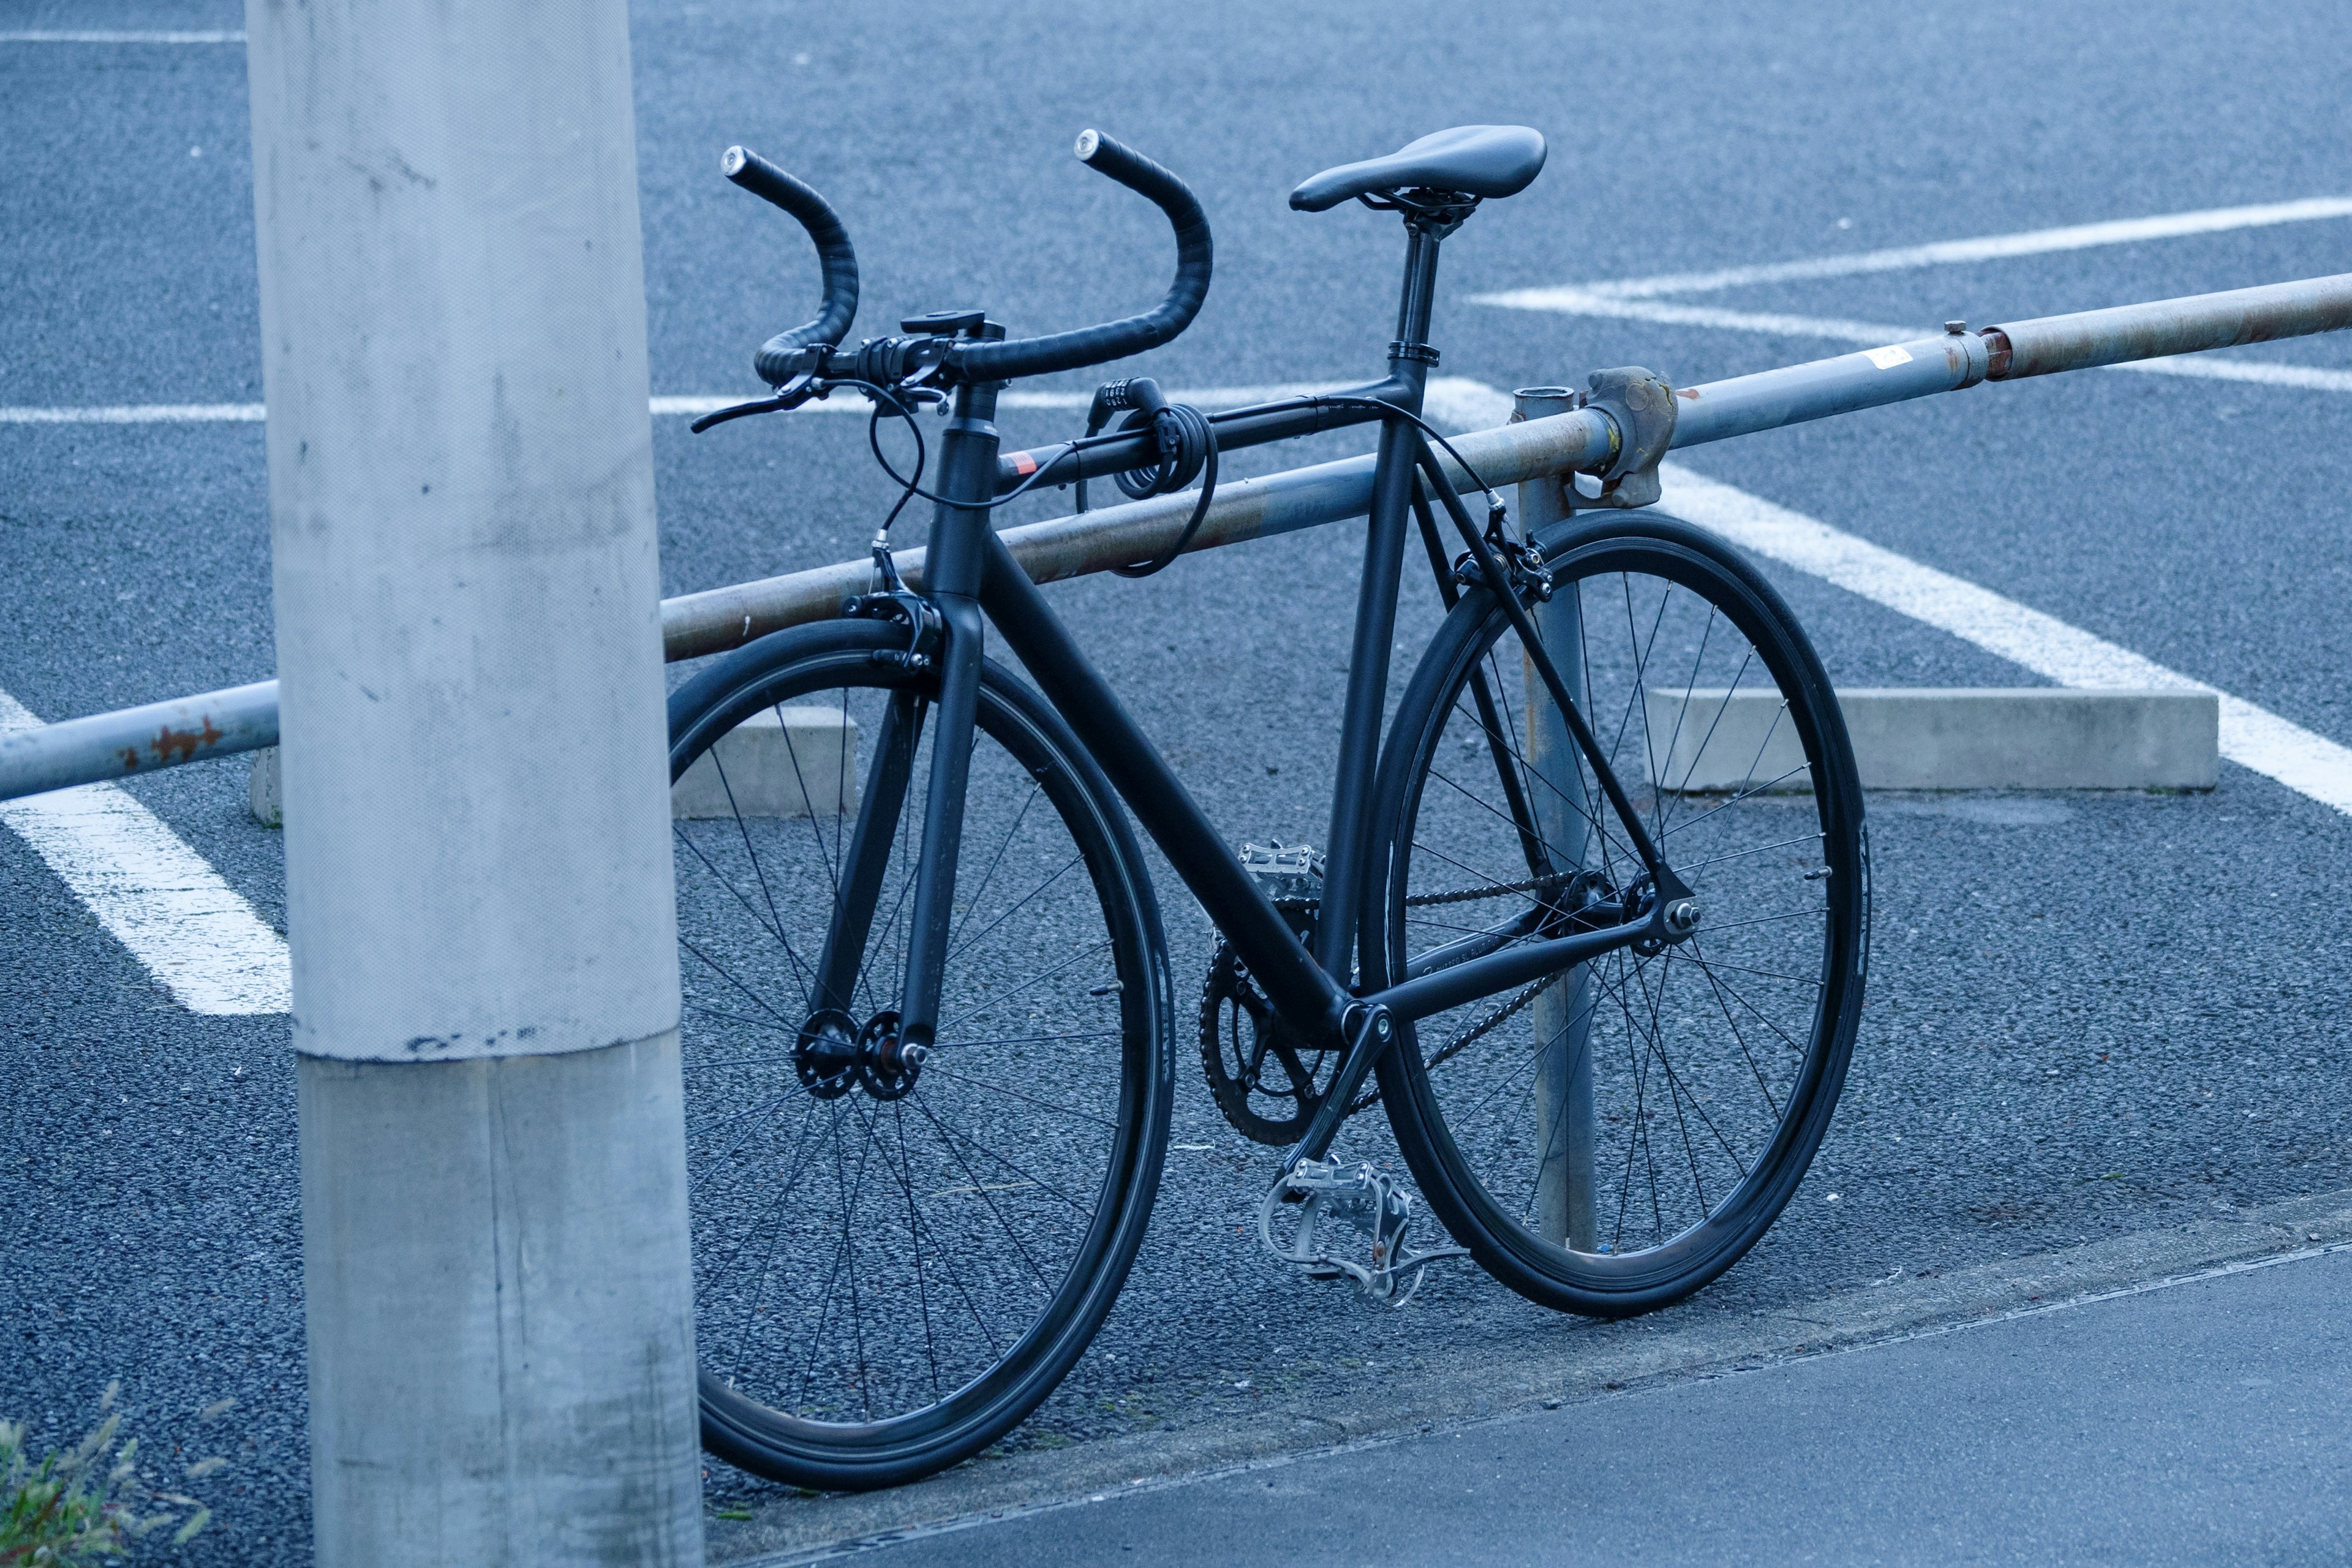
[888,1282]
[1715,1065]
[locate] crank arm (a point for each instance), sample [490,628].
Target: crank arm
[1368,1029]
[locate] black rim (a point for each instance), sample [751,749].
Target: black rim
[894,1266]
[1715,1065]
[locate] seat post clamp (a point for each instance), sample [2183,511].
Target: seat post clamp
[1420,352]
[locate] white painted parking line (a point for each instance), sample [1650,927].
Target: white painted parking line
[2206,366]
[1945,253]
[160,899]
[1442,390]
[121,38]
[2251,737]
[2260,373]
[137,414]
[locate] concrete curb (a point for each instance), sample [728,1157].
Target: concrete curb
[2032,736]
[1563,1361]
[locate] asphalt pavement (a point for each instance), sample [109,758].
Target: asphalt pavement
[2090,1015]
[2198,1424]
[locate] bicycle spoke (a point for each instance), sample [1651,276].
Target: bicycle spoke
[955,1148]
[952,1077]
[994,861]
[1004,996]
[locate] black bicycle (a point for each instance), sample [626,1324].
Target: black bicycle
[1590,925]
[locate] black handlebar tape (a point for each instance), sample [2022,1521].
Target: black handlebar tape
[765,180]
[1114,340]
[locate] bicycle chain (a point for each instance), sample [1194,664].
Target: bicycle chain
[1468,1037]
[1551,884]
[1304,910]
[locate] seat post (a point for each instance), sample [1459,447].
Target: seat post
[1429,216]
[1420,291]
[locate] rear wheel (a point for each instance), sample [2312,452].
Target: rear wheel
[896,1260]
[1610,1139]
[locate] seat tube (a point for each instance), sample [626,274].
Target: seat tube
[952,569]
[1376,606]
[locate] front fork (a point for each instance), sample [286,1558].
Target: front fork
[952,571]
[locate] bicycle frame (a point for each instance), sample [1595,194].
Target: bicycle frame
[971,580]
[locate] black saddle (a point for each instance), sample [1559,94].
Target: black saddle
[1474,160]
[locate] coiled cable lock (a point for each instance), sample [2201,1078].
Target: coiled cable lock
[1187,446]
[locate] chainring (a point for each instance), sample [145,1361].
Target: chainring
[1265,1080]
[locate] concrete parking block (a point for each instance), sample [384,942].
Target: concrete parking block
[261,792]
[777,766]
[784,761]
[1946,738]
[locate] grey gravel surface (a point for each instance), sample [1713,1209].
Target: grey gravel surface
[2089,1015]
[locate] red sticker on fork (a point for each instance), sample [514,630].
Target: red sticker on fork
[1023,463]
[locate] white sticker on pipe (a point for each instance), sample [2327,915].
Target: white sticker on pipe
[1886,358]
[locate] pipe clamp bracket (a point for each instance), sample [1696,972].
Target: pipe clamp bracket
[1642,406]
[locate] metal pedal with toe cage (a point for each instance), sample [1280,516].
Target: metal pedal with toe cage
[1337,1204]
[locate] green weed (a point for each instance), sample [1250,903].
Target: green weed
[90,1502]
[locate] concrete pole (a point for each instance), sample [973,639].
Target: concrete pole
[1560,1016]
[479,884]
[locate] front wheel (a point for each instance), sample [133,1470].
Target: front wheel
[897,1256]
[1610,1139]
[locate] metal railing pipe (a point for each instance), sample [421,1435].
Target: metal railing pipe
[1794,394]
[136,739]
[696,624]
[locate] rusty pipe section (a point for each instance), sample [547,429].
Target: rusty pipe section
[138,740]
[2167,327]
[701,624]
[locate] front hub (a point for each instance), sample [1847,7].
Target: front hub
[886,1065]
[836,1054]
[826,1053]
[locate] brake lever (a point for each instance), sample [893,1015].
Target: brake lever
[790,395]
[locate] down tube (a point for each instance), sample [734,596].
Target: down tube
[1300,989]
